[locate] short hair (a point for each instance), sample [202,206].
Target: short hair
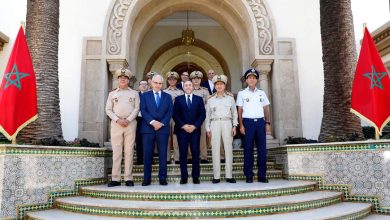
[142,81]
[189,81]
[158,76]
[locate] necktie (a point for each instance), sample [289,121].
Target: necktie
[189,102]
[157,99]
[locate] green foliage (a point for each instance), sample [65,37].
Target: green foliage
[369,132]
[298,140]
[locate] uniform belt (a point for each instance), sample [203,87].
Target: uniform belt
[221,119]
[253,119]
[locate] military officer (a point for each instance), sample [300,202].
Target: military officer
[174,92]
[221,122]
[203,92]
[254,117]
[150,75]
[122,107]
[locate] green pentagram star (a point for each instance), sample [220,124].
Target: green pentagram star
[18,77]
[375,78]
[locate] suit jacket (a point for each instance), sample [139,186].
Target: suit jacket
[150,112]
[194,116]
[179,86]
[207,85]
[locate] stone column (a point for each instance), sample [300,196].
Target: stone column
[265,67]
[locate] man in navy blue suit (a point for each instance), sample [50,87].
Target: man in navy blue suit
[209,83]
[189,114]
[185,76]
[156,110]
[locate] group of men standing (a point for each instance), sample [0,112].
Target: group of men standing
[183,114]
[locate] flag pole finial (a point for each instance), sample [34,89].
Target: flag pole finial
[23,24]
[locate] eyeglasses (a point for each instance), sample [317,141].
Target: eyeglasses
[158,83]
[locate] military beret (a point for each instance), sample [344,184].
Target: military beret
[252,72]
[172,74]
[220,78]
[124,72]
[196,74]
[151,74]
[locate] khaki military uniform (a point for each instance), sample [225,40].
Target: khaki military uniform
[203,92]
[174,92]
[123,104]
[221,116]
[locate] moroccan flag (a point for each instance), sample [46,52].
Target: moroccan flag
[371,86]
[18,98]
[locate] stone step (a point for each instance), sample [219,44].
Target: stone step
[340,211]
[236,159]
[204,176]
[199,209]
[377,217]
[203,167]
[202,192]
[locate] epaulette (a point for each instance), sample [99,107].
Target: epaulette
[212,96]
[204,88]
[229,94]
[114,89]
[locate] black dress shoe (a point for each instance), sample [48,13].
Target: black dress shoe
[189,161]
[163,182]
[129,183]
[230,180]
[216,181]
[249,180]
[183,181]
[145,183]
[262,180]
[177,162]
[204,161]
[196,181]
[114,183]
[139,163]
[222,160]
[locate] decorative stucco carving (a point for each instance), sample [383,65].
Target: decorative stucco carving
[115,27]
[263,26]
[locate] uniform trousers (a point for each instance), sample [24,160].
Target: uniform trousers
[222,129]
[122,139]
[255,131]
[173,142]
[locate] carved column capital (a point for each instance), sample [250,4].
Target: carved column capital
[263,66]
[113,65]
[3,40]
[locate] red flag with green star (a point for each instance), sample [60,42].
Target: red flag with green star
[18,98]
[371,86]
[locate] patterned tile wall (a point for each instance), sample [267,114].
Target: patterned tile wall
[28,178]
[366,171]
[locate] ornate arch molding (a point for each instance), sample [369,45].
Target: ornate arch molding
[264,26]
[198,43]
[116,34]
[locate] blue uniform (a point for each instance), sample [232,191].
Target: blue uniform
[162,113]
[192,115]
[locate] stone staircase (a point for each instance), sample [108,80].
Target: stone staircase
[278,199]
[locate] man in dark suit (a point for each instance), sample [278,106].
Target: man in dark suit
[156,110]
[185,76]
[209,83]
[189,114]
[143,87]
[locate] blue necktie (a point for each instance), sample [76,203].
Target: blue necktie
[188,102]
[157,99]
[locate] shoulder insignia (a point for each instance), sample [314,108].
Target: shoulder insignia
[114,89]
[213,95]
[229,94]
